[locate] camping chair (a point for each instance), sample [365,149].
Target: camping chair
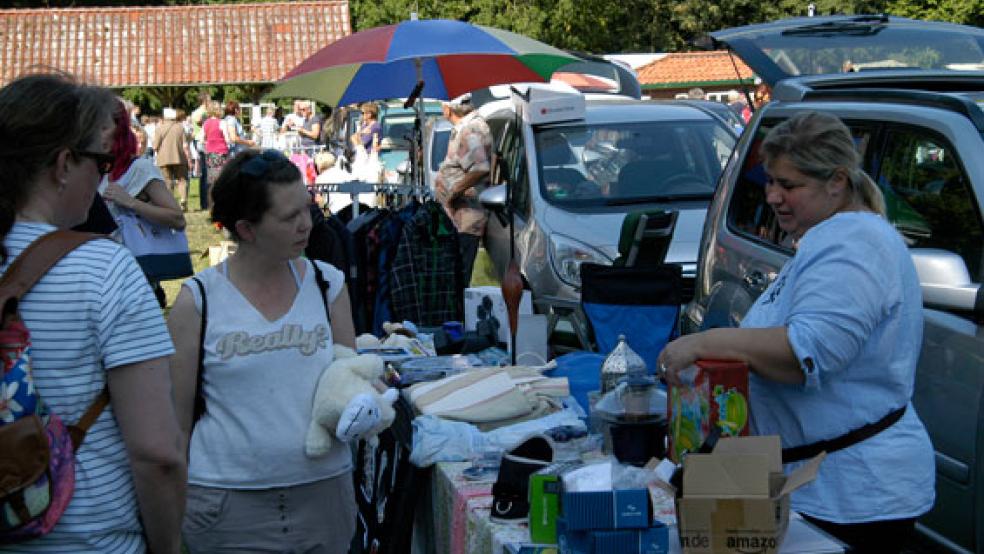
[645,238]
[639,296]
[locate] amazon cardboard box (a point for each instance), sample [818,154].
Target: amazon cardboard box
[736,499]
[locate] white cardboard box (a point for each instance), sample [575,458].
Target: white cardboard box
[475,302]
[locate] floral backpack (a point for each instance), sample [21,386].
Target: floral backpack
[37,450]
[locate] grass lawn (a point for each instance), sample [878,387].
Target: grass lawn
[202,234]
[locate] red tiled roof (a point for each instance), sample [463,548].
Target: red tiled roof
[692,69]
[178,45]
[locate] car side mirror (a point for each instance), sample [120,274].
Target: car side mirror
[494,198]
[945,281]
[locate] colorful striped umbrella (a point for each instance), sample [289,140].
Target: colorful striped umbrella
[451,57]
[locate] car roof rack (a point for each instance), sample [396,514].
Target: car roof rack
[947,101]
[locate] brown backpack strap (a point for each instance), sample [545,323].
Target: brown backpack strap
[26,270]
[81,427]
[40,256]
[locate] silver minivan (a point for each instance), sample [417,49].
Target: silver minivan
[573,182]
[920,130]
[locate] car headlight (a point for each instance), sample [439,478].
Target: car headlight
[567,255]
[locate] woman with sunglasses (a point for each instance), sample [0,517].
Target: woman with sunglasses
[269,332]
[134,183]
[94,324]
[370,131]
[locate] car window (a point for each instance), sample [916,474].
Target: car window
[398,128]
[627,163]
[928,196]
[749,214]
[514,152]
[439,147]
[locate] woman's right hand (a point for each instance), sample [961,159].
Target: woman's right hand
[118,195]
[677,356]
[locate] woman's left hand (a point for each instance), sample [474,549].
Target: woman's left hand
[119,196]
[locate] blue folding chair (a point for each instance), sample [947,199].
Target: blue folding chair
[641,303]
[639,296]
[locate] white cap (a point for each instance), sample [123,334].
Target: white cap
[170,113]
[462,100]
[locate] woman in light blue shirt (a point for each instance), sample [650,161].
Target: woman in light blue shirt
[834,341]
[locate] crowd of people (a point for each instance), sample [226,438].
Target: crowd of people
[202,442]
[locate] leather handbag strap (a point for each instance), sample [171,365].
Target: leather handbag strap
[77,432]
[323,285]
[199,407]
[24,272]
[807,451]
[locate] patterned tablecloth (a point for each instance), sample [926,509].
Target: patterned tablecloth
[461,514]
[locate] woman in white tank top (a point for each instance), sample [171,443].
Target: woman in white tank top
[267,339]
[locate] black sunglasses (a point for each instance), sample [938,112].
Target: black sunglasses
[104,162]
[259,166]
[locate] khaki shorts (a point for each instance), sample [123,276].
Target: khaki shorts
[316,518]
[176,172]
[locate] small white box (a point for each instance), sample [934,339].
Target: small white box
[546,103]
[487,302]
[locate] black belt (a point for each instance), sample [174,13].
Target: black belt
[807,451]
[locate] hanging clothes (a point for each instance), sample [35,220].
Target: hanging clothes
[331,242]
[360,227]
[426,275]
[389,234]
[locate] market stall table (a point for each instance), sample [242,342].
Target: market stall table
[459,521]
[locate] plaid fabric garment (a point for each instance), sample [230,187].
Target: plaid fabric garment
[389,237]
[426,278]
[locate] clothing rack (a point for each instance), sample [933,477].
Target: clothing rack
[355,188]
[309,150]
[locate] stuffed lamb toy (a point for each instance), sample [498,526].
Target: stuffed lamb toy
[346,404]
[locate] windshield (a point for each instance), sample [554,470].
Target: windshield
[628,163]
[840,45]
[398,128]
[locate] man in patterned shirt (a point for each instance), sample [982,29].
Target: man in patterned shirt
[463,175]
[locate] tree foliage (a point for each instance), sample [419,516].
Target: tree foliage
[593,26]
[604,26]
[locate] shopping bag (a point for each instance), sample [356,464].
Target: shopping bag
[161,251]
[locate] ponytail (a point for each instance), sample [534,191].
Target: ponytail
[871,196]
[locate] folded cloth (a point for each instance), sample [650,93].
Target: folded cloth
[494,395]
[440,440]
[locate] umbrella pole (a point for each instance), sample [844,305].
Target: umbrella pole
[418,134]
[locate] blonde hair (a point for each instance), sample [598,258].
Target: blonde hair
[215,109]
[323,161]
[818,145]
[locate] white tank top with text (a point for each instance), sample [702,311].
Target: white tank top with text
[259,384]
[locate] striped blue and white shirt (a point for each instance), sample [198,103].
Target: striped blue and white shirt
[92,312]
